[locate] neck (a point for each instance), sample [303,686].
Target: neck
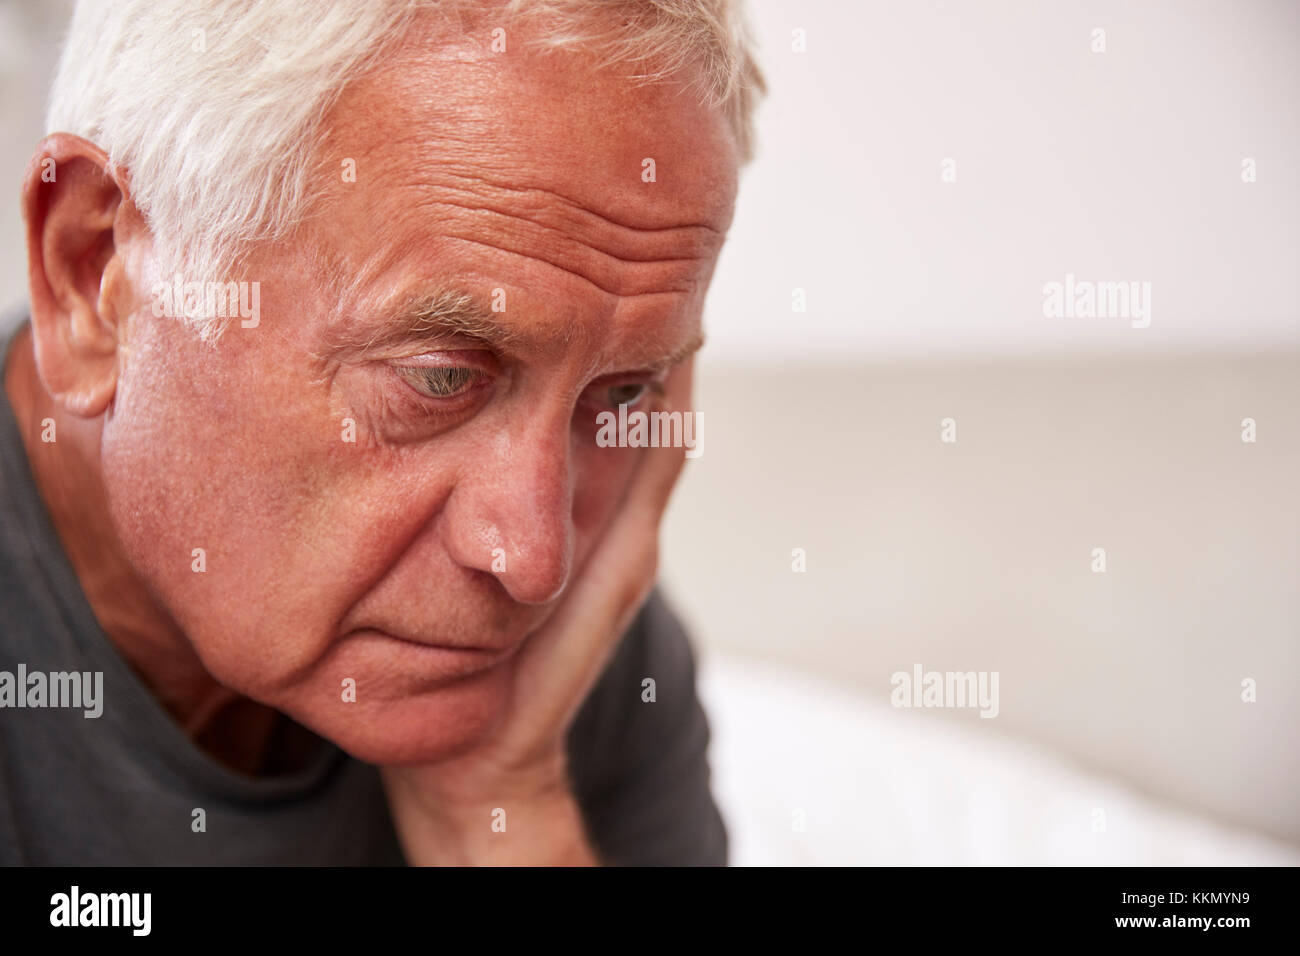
[234,729]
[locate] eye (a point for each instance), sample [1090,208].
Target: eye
[629,394]
[439,382]
[612,395]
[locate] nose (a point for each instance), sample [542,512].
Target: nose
[510,513]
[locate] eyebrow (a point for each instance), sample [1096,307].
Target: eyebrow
[428,317]
[677,356]
[451,313]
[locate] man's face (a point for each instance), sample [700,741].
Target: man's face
[474,450]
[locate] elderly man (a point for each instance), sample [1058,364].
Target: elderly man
[299,449]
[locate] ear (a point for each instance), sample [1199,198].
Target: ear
[71,204]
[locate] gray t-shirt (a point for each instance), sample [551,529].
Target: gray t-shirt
[121,788]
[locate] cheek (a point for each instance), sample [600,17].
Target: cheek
[165,468]
[226,490]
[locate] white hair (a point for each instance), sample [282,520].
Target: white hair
[214,108]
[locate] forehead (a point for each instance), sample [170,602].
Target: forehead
[572,181]
[549,119]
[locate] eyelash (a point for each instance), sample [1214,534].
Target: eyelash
[441,381]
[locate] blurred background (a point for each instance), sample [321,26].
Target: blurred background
[924,170]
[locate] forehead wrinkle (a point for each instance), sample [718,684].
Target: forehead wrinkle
[516,236]
[650,282]
[538,195]
[618,237]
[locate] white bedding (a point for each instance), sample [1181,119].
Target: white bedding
[879,786]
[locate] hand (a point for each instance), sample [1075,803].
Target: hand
[443,811]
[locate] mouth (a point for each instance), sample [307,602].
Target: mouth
[445,660]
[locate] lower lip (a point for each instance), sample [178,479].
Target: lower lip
[450,662]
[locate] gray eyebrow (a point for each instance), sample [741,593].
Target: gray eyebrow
[693,345]
[442,314]
[453,313]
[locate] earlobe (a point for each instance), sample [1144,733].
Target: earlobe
[71,200]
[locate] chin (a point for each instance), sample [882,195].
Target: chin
[400,725]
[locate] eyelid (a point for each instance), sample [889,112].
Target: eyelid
[446,358]
[594,394]
[482,363]
[648,376]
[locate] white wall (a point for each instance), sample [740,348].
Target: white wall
[29,33]
[1119,165]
